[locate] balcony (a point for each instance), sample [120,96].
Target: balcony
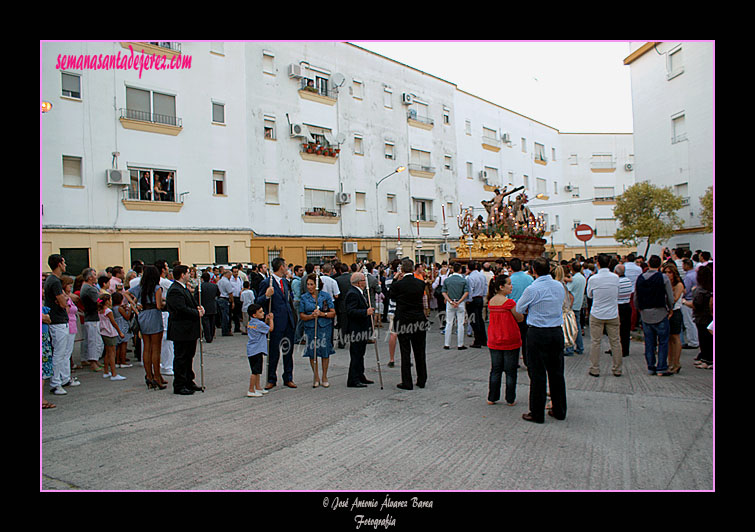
[491,143]
[132,202]
[325,95]
[168,49]
[152,122]
[418,170]
[324,153]
[422,122]
[425,220]
[539,159]
[603,166]
[319,215]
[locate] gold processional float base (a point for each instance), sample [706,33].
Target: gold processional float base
[504,247]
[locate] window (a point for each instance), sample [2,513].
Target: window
[72,171]
[421,160]
[151,255]
[391,201]
[449,209]
[271,193]
[315,199]
[221,254]
[573,159]
[357,89]
[602,161]
[218,113]
[557,222]
[358,145]
[389,151]
[555,187]
[217,47]
[553,154]
[511,178]
[361,201]
[422,210]
[468,127]
[470,171]
[150,184]
[679,128]
[674,63]
[76,260]
[488,135]
[682,190]
[447,162]
[150,106]
[269,127]
[604,193]
[540,186]
[71,84]
[491,176]
[218,183]
[446,115]
[524,145]
[388,98]
[268,63]
[420,111]
[605,226]
[539,152]
[526,182]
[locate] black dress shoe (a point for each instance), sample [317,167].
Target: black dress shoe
[357,385]
[528,417]
[183,391]
[420,385]
[367,381]
[476,346]
[391,364]
[194,387]
[404,386]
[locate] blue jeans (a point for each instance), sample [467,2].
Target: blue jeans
[503,362]
[224,306]
[656,334]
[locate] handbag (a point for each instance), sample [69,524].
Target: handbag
[133,322]
[570,328]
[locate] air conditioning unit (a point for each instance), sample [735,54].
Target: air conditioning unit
[444,248]
[407,99]
[350,247]
[483,175]
[628,167]
[343,198]
[506,138]
[299,130]
[117,177]
[294,71]
[568,188]
[553,228]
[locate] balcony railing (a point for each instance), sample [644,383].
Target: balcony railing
[309,85]
[175,46]
[412,114]
[420,168]
[422,218]
[603,165]
[318,211]
[146,116]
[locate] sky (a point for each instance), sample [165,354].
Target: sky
[575,87]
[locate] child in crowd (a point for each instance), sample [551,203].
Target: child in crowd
[257,329]
[122,312]
[110,332]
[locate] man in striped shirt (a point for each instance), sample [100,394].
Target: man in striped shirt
[542,302]
[625,308]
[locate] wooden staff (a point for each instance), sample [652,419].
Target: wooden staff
[317,307]
[201,332]
[372,326]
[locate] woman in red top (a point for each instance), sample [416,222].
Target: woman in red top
[504,339]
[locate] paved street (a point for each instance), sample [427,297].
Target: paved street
[636,432]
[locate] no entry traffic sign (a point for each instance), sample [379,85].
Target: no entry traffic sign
[583,232]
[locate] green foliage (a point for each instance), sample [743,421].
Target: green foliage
[706,214]
[647,211]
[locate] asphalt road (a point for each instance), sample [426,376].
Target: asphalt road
[635,432]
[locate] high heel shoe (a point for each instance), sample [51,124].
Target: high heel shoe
[159,385]
[150,385]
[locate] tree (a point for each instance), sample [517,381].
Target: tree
[647,211]
[706,214]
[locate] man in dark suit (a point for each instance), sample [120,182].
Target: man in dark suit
[183,331]
[410,323]
[210,293]
[284,323]
[359,329]
[344,285]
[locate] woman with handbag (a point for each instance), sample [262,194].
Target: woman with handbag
[569,326]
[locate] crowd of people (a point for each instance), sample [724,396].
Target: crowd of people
[532,312]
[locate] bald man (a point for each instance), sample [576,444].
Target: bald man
[358,313]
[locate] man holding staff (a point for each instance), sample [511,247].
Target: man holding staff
[183,331]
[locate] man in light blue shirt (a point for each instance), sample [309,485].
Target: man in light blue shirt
[542,302]
[519,281]
[477,285]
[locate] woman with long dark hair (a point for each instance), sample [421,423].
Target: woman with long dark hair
[151,300]
[702,314]
[675,321]
[504,339]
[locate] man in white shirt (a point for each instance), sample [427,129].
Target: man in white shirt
[603,289]
[166,349]
[225,302]
[236,311]
[632,271]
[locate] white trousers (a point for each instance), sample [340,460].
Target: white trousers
[94,343]
[458,313]
[62,347]
[166,349]
[690,329]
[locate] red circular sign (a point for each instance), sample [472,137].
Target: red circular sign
[583,232]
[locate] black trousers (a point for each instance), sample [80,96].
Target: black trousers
[625,325]
[236,314]
[183,359]
[414,341]
[208,327]
[356,363]
[474,309]
[545,366]
[523,334]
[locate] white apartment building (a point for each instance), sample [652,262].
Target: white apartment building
[283,149]
[672,106]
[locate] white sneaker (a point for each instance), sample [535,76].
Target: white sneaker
[262,391]
[124,365]
[59,391]
[73,382]
[106,375]
[118,378]
[254,394]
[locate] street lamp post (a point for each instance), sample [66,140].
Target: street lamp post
[377,202]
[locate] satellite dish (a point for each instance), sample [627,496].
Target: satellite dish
[340,138]
[338,79]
